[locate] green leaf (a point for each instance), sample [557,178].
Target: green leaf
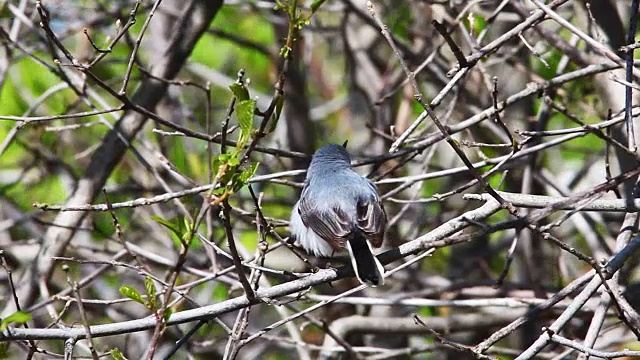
[248,173]
[316,4]
[117,355]
[234,159]
[131,293]
[169,225]
[18,317]
[219,191]
[273,121]
[242,178]
[186,224]
[150,290]
[167,314]
[239,91]
[479,23]
[227,177]
[188,234]
[244,111]
[216,163]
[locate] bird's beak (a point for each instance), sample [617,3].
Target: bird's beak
[345,144]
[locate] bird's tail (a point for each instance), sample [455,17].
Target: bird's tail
[366,266]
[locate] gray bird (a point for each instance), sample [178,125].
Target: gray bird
[338,208]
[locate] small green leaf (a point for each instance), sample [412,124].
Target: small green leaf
[273,121]
[169,225]
[239,91]
[167,314]
[187,225]
[249,172]
[242,178]
[187,235]
[234,159]
[218,162]
[479,23]
[227,176]
[131,293]
[117,355]
[18,317]
[215,165]
[316,4]
[244,111]
[150,290]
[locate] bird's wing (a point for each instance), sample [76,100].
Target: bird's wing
[331,224]
[371,217]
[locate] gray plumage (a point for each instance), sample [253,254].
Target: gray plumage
[338,208]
